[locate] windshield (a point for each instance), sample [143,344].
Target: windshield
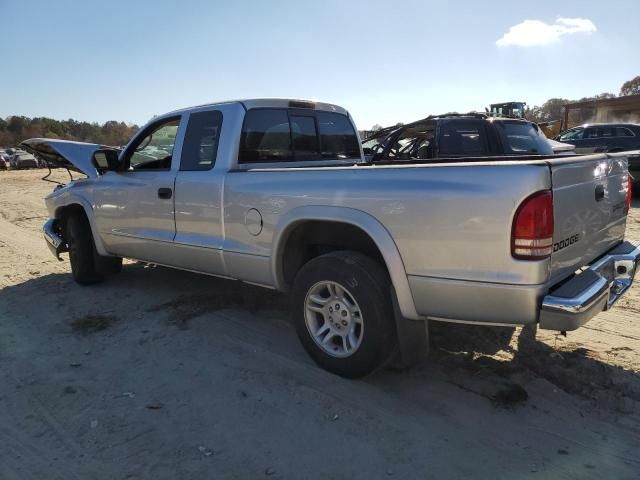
[573,134]
[375,145]
[521,138]
[415,143]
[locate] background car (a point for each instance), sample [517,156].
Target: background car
[455,134]
[634,170]
[4,159]
[561,148]
[22,159]
[603,137]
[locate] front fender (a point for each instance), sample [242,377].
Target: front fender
[369,224]
[61,199]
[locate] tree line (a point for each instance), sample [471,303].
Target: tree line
[552,108]
[15,129]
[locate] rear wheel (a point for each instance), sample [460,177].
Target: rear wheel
[343,313]
[82,251]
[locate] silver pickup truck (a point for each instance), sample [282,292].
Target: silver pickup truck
[277,193]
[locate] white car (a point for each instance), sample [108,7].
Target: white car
[560,148]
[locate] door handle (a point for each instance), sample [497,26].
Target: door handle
[165,193]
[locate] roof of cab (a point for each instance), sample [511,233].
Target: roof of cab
[269,103]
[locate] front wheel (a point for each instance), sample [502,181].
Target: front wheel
[343,313]
[82,251]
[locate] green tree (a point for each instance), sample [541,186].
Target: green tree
[16,128]
[548,111]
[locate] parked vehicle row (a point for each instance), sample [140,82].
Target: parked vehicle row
[18,159]
[453,218]
[603,137]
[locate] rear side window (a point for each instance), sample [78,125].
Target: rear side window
[606,132]
[201,141]
[462,138]
[624,132]
[520,138]
[591,133]
[266,136]
[279,135]
[337,137]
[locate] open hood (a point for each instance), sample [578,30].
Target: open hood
[75,156]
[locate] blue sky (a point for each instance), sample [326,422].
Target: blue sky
[385,61]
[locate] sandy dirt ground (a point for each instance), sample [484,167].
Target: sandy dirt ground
[161,374]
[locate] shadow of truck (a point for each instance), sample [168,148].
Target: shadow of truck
[461,351]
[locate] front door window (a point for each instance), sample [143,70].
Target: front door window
[154,149]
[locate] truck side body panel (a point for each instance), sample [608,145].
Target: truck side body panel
[443,229]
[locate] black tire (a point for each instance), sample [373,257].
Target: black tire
[82,250]
[368,284]
[108,265]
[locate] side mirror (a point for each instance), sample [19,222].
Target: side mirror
[105,160]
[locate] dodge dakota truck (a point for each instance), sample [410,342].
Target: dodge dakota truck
[278,193]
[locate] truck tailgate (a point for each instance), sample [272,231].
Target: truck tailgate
[589,195]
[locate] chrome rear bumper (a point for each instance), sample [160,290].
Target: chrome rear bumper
[595,289]
[54,241]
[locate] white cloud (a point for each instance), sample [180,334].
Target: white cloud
[535,33]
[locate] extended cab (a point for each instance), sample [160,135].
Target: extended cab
[278,193]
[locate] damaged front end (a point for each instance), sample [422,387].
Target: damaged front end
[75,156]
[53,235]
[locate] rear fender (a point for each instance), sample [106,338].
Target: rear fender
[369,224]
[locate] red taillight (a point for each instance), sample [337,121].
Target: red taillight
[532,233]
[627,205]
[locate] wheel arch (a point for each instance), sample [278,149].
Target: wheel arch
[369,225]
[74,205]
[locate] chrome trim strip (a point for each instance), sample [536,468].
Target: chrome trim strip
[473,322]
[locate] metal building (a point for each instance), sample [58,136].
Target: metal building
[620,109]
